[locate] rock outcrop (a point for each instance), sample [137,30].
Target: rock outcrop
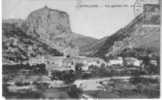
[45,32]
[53,27]
[48,23]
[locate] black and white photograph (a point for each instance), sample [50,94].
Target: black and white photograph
[80,49]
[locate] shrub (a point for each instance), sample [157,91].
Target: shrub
[74,92]
[66,76]
[137,79]
[78,67]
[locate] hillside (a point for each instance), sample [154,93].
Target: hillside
[142,32]
[18,46]
[45,31]
[91,49]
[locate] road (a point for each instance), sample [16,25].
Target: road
[93,83]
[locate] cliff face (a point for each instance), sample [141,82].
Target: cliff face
[45,32]
[50,26]
[53,27]
[47,23]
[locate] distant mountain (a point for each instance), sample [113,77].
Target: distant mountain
[45,31]
[142,32]
[53,27]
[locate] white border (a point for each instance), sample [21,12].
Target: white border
[2,98]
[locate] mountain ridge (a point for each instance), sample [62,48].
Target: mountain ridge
[137,34]
[32,33]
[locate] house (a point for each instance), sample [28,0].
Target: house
[154,62]
[85,68]
[56,84]
[54,63]
[44,79]
[89,61]
[54,60]
[95,61]
[117,61]
[131,61]
[37,60]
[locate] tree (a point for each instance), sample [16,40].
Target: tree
[74,92]
[78,67]
[67,76]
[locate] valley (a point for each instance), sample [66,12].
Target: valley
[43,58]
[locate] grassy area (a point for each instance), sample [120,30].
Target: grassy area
[145,88]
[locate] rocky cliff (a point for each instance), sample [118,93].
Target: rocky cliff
[53,27]
[46,31]
[47,23]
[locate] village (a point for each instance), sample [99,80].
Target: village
[60,72]
[63,63]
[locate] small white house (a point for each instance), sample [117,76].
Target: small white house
[36,60]
[92,63]
[133,61]
[154,62]
[118,61]
[96,62]
[78,83]
[85,67]
[56,83]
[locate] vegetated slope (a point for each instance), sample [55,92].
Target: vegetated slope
[137,34]
[45,32]
[92,48]
[83,42]
[18,46]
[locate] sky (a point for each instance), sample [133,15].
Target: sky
[96,22]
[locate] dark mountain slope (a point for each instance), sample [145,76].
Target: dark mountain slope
[91,48]
[118,36]
[137,34]
[18,46]
[82,41]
